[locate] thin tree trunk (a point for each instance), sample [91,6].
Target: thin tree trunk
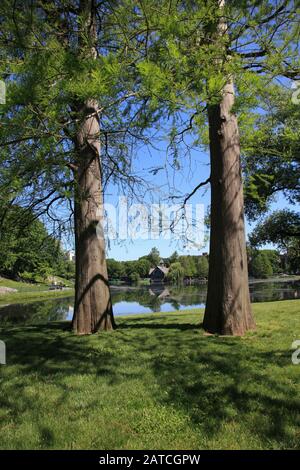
[228,308]
[93,307]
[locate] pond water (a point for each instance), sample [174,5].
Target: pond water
[142,300]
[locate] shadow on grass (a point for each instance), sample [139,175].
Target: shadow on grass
[212,380]
[225,380]
[159,326]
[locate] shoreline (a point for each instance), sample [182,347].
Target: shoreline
[40,295]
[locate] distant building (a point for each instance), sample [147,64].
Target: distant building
[70,255]
[159,273]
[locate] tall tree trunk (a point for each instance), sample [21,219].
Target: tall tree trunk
[93,307]
[228,308]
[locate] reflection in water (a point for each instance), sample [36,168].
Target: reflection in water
[128,300]
[36,312]
[268,291]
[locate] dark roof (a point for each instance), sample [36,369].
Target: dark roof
[161,268]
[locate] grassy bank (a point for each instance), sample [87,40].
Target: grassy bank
[292,277]
[20,297]
[156,382]
[30,292]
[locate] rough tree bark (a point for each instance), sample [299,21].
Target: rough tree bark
[93,307]
[228,308]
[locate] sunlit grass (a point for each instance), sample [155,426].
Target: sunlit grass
[155,382]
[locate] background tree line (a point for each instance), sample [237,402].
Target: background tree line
[180,267]
[262,263]
[28,252]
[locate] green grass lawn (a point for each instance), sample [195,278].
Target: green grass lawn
[157,382]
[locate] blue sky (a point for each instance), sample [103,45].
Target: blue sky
[193,170]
